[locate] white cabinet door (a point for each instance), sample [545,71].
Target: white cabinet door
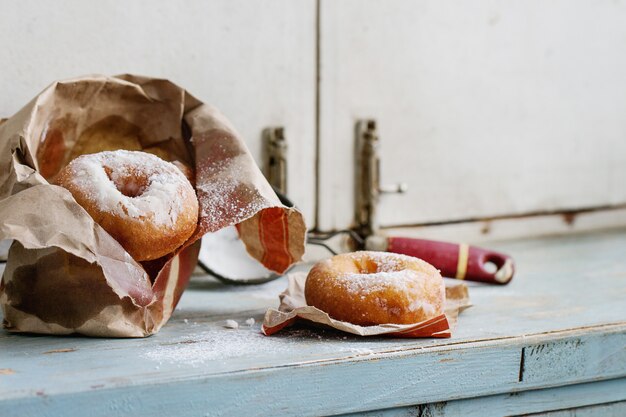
[484,108]
[255,61]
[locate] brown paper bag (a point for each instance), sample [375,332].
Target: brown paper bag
[293,307]
[64,273]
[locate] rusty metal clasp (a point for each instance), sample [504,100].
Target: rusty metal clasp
[275,157]
[367,178]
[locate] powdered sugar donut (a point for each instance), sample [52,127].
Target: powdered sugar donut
[370,288]
[145,203]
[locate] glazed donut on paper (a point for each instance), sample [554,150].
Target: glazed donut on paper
[145,203]
[370,288]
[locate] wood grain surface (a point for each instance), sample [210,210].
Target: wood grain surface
[561,321]
[601,399]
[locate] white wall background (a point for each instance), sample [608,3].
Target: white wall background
[254,60]
[486,108]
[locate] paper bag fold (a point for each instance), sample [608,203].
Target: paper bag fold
[293,307]
[64,273]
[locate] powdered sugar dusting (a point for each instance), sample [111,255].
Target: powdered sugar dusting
[379,281]
[390,274]
[211,345]
[155,187]
[224,196]
[385,262]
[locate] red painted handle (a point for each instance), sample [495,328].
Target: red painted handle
[455,260]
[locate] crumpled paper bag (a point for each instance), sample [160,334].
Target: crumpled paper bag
[293,307]
[64,273]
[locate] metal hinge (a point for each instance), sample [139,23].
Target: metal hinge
[275,157]
[367,178]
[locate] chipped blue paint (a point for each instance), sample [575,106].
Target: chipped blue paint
[602,399]
[561,321]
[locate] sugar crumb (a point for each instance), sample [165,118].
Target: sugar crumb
[231,324]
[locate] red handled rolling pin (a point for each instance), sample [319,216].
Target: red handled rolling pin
[454,260]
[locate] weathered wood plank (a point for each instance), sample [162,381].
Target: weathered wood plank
[356,384]
[602,410]
[586,399]
[568,297]
[507,228]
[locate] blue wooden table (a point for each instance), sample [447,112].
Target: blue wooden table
[554,339]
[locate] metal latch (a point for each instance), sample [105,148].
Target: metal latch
[367,178]
[275,158]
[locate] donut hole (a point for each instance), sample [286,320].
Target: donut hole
[131,188]
[130,183]
[365,266]
[369,267]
